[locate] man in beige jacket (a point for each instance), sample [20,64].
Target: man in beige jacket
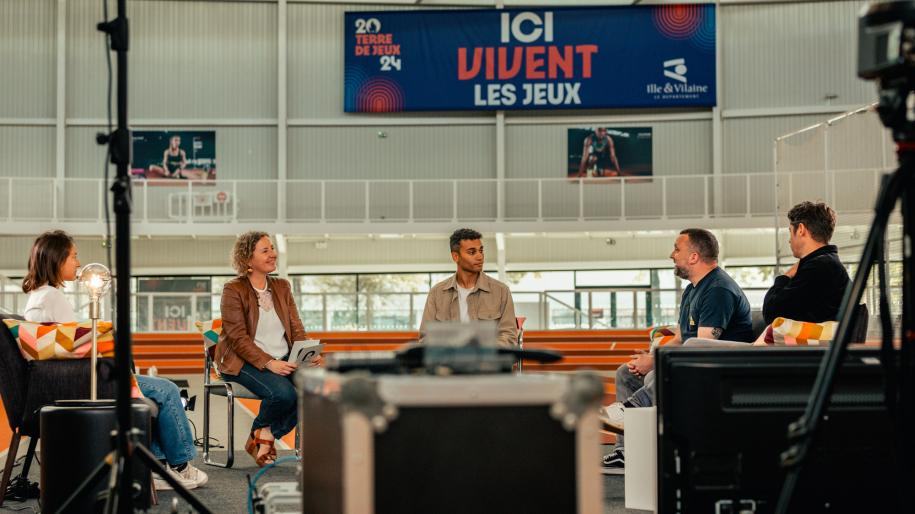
[470,294]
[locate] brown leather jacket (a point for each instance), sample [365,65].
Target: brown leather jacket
[239,323]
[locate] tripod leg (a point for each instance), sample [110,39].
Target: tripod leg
[150,460]
[89,482]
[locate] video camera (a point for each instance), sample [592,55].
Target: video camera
[886,53]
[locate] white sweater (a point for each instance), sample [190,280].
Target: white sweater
[48,303]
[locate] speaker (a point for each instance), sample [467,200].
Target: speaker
[74,441]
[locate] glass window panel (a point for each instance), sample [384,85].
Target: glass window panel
[172,313]
[561,312]
[311,310]
[419,304]
[394,283]
[173,284]
[536,281]
[438,277]
[667,279]
[217,283]
[326,283]
[668,310]
[204,309]
[752,276]
[611,278]
[144,313]
[528,305]
[387,311]
[341,312]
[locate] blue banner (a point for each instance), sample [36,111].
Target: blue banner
[576,58]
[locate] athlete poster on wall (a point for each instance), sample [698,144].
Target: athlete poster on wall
[561,58]
[609,152]
[174,155]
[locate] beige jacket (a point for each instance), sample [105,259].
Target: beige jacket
[489,300]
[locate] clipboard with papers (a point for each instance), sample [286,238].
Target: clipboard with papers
[303,352]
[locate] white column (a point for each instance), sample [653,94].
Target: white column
[500,255]
[500,166]
[61,120]
[281,114]
[500,163]
[282,256]
[717,147]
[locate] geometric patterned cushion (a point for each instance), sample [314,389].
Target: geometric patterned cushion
[60,341]
[55,341]
[786,331]
[659,336]
[210,330]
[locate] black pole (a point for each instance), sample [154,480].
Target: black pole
[122,207]
[119,147]
[905,411]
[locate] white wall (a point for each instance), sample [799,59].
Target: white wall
[216,64]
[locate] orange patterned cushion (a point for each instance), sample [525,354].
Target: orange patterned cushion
[49,341]
[660,336]
[784,331]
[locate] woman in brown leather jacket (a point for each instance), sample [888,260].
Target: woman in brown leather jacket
[260,322]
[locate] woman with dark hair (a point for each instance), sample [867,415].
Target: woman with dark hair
[260,321]
[53,261]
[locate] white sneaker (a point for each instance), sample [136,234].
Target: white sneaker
[612,417]
[162,485]
[191,473]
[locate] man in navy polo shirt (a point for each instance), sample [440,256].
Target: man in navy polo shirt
[712,307]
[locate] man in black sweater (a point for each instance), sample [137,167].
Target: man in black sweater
[813,288]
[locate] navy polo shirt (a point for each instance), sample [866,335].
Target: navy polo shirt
[717,302]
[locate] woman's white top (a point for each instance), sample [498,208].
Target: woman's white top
[270,335]
[48,303]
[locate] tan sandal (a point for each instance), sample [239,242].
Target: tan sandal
[252,446]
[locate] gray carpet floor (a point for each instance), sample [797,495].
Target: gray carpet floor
[226,491]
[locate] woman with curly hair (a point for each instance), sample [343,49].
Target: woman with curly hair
[260,321]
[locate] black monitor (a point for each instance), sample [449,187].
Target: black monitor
[722,425]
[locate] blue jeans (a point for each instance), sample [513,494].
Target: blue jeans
[173,439]
[637,390]
[278,398]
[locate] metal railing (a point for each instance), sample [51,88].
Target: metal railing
[335,311]
[434,200]
[601,308]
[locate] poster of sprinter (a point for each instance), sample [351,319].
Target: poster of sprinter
[650,56]
[174,154]
[609,152]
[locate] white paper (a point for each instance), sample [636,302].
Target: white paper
[641,458]
[303,352]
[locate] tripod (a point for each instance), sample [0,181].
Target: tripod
[120,494]
[802,432]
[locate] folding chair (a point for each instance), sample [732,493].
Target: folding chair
[213,384]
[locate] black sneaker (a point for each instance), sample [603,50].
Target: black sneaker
[614,463]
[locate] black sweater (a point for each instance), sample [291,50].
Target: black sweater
[814,294]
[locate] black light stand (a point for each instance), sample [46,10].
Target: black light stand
[120,492]
[886,53]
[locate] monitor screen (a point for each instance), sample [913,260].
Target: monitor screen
[722,425]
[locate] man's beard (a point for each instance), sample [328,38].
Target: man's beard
[681,272]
